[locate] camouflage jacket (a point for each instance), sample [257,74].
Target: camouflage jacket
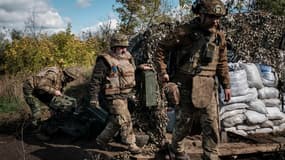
[47,80]
[107,79]
[187,43]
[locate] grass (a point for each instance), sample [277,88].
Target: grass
[9,104]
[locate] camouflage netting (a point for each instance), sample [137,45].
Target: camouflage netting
[257,37]
[151,120]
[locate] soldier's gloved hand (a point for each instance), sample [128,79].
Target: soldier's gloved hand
[57,93]
[94,103]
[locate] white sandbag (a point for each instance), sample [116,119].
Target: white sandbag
[268,92]
[253,117]
[253,76]
[230,129]
[238,75]
[231,113]
[258,106]
[268,75]
[269,83]
[239,91]
[282,127]
[239,85]
[278,122]
[240,132]
[274,113]
[267,124]
[250,96]
[276,129]
[247,127]
[234,120]
[234,106]
[234,130]
[263,130]
[273,102]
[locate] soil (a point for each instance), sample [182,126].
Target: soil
[18,142]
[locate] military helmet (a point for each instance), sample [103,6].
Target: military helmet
[211,7]
[72,72]
[119,40]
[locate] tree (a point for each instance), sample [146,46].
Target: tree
[32,28]
[139,14]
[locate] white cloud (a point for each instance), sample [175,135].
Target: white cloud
[112,24]
[15,13]
[83,3]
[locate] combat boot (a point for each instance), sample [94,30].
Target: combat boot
[181,156]
[134,149]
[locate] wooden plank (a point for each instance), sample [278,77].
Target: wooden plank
[245,148]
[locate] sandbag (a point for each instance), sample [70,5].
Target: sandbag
[278,122]
[267,124]
[250,96]
[234,106]
[258,106]
[234,130]
[231,113]
[239,85]
[263,130]
[272,102]
[274,113]
[268,92]
[234,120]
[246,127]
[253,76]
[268,75]
[253,117]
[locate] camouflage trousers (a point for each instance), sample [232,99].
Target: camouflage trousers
[31,100]
[187,118]
[119,120]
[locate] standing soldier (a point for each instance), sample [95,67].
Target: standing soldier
[114,78]
[42,87]
[200,56]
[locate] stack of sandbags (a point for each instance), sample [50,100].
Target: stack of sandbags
[254,106]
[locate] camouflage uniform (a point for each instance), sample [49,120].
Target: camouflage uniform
[200,56]
[42,87]
[113,78]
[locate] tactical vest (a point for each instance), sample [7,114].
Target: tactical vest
[42,78]
[121,78]
[201,56]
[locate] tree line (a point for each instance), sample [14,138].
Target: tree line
[31,52]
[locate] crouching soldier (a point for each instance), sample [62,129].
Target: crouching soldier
[114,78]
[43,86]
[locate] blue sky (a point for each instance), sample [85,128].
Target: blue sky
[54,15]
[88,13]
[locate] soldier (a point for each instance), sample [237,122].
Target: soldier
[201,55]
[42,87]
[114,78]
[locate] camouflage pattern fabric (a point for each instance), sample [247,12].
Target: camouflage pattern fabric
[41,88]
[199,56]
[189,116]
[119,120]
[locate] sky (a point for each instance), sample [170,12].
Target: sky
[54,15]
